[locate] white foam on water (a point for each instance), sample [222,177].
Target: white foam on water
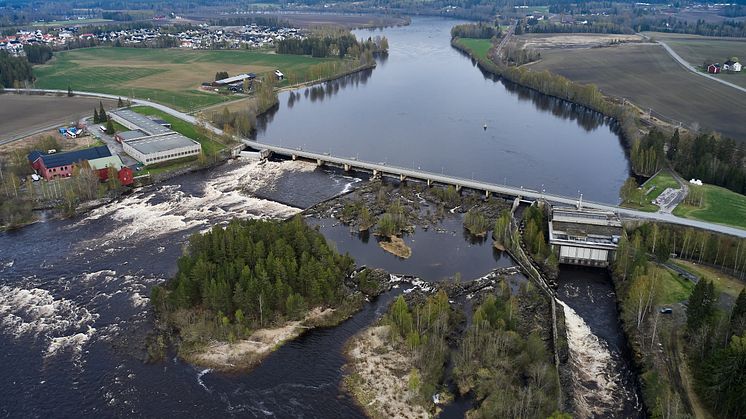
[60,323]
[138,300]
[199,378]
[595,385]
[136,216]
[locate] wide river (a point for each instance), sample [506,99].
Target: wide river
[74,308]
[426,106]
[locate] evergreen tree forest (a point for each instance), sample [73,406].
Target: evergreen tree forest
[535,235]
[37,54]
[255,273]
[712,159]
[14,70]
[332,44]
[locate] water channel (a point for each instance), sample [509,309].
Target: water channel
[73,293]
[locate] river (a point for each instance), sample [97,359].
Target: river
[74,308]
[425,107]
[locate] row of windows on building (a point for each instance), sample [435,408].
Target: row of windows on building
[171,156]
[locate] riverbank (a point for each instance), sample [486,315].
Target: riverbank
[378,377]
[246,353]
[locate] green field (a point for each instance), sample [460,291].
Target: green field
[650,190]
[168,76]
[209,147]
[674,288]
[478,47]
[698,49]
[723,282]
[646,75]
[720,206]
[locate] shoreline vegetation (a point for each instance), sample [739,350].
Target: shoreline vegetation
[422,354]
[244,289]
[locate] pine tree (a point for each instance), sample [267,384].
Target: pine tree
[738,315]
[102,112]
[700,306]
[96,118]
[120,103]
[109,127]
[69,91]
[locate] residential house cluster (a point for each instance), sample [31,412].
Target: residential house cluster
[13,44]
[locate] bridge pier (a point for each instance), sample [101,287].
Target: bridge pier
[402,178]
[294,157]
[458,188]
[319,162]
[347,167]
[375,174]
[429,183]
[486,194]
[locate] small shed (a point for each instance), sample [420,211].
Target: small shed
[713,68]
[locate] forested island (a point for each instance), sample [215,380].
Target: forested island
[244,288]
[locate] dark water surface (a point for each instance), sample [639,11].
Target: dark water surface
[425,106]
[74,306]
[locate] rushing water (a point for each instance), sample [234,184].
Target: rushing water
[604,384]
[425,107]
[74,308]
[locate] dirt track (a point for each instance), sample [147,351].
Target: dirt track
[24,115]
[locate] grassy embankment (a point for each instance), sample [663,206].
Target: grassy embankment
[168,76]
[719,205]
[723,282]
[642,199]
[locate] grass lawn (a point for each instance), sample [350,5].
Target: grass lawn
[674,288]
[169,76]
[723,282]
[656,185]
[478,47]
[720,206]
[209,147]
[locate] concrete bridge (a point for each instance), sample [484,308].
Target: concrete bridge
[403,173]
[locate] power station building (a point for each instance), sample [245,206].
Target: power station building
[152,141]
[585,237]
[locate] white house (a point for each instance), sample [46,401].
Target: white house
[731,65]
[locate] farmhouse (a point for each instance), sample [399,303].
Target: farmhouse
[584,236]
[151,141]
[59,165]
[713,68]
[731,65]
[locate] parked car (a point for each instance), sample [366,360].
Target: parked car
[35,177]
[666,310]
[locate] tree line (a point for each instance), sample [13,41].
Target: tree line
[479,30]
[708,157]
[37,54]
[713,338]
[536,235]
[14,71]
[254,273]
[332,44]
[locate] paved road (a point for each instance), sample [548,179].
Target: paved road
[691,68]
[441,178]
